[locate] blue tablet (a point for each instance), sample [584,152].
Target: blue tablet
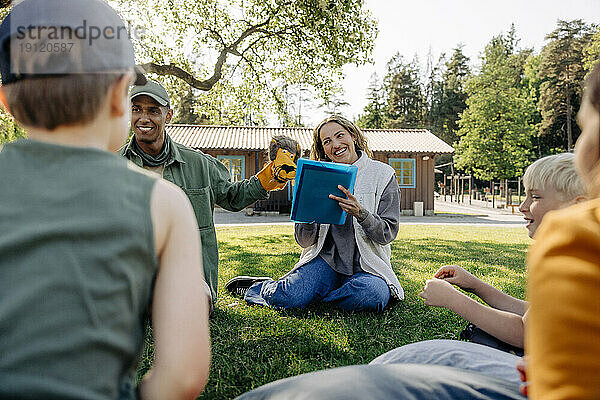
[315,181]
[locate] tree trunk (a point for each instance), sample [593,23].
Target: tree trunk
[569,132]
[453,185]
[470,188]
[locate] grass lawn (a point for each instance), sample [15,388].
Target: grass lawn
[255,345]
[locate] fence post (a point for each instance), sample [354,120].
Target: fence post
[507,200]
[444,187]
[453,188]
[470,189]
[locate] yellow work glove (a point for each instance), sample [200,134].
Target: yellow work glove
[284,165]
[267,178]
[275,174]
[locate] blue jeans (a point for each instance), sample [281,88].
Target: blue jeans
[466,356]
[317,281]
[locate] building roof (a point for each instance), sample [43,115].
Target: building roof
[212,137]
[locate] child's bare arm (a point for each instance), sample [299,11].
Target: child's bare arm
[504,325]
[180,303]
[492,296]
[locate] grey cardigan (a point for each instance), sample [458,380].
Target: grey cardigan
[373,177]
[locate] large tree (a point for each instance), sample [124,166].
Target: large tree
[496,128]
[592,52]
[562,72]
[336,102]
[531,85]
[243,52]
[448,96]
[374,113]
[406,101]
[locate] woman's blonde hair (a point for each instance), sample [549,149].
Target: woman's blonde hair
[360,141]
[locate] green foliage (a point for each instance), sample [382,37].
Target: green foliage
[497,126]
[531,85]
[592,52]
[374,114]
[399,101]
[9,129]
[252,346]
[184,104]
[406,102]
[448,97]
[562,73]
[252,48]
[335,102]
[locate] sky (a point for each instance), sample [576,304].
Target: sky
[415,26]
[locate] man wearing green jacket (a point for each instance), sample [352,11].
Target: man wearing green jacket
[204,179]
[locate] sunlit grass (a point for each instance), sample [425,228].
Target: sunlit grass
[255,345]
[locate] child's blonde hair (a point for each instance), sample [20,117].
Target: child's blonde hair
[555,172]
[360,141]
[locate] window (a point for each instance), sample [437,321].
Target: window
[235,165]
[405,171]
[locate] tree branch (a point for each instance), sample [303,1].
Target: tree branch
[174,70]
[207,84]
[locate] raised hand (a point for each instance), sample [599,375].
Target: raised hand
[284,166]
[267,178]
[457,276]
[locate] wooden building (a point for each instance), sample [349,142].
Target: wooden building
[411,152]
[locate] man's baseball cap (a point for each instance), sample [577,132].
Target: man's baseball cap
[60,37]
[152,89]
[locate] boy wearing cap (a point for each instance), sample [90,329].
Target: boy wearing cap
[88,241]
[204,179]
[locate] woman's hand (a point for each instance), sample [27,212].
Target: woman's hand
[350,204]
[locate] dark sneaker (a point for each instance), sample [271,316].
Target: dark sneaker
[239,285]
